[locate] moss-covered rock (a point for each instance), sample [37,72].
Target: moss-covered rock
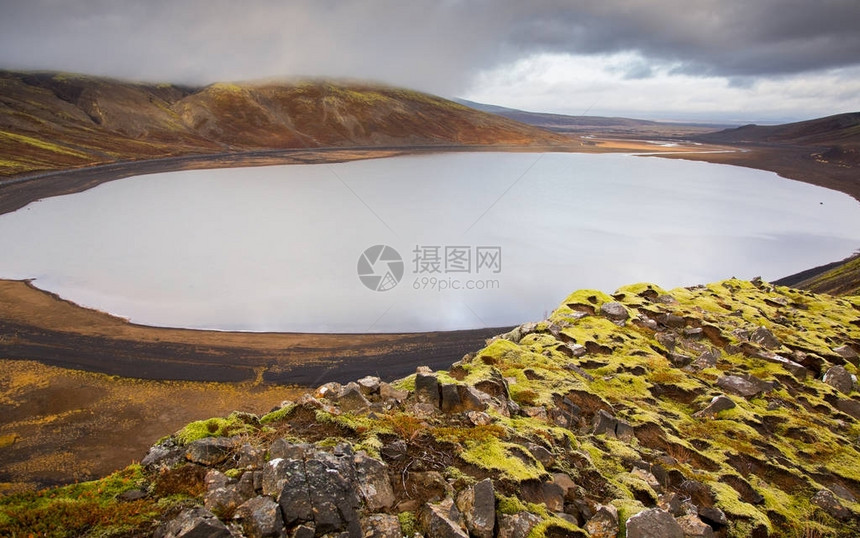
[597,406]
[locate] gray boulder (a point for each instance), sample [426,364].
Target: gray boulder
[332,492]
[260,517]
[373,483]
[653,523]
[285,480]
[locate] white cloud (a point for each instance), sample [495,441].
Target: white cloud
[627,84]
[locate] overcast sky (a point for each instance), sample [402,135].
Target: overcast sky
[762,60]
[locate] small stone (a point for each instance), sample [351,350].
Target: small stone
[673,321]
[162,456]
[442,520]
[352,399]
[387,392]
[536,411]
[250,457]
[369,385]
[544,456]
[765,338]
[718,403]
[713,517]
[282,449]
[604,523]
[839,378]
[604,423]
[329,391]
[209,450]
[381,526]
[847,353]
[653,523]
[693,527]
[195,523]
[215,479]
[479,418]
[647,477]
[576,349]
[830,504]
[518,525]
[746,385]
[427,387]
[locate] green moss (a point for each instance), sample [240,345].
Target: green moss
[513,505]
[626,508]
[277,415]
[408,523]
[495,455]
[213,427]
[730,503]
[89,508]
[555,523]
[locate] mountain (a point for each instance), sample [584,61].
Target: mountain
[840,129]
[596,125]
[729,409]
[55,120]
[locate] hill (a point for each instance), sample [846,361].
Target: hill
[52,121]
[837,278]
[840,129]
[597,125]
[722,410]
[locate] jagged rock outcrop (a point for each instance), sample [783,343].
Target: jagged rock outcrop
[532,436]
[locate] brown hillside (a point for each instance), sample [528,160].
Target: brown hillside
[51,121]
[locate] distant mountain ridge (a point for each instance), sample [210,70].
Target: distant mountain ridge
[584,124]
[54,120]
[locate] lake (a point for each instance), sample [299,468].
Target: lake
[482,239]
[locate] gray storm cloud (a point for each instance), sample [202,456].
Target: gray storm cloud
[432,45]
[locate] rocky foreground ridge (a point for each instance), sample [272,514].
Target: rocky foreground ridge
[722,410]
